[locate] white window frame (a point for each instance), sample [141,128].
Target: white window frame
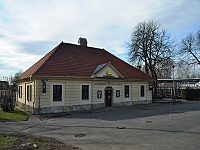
[126,98]
[145,90]
[20,91]
[29,92]
[57,103]
[85,101]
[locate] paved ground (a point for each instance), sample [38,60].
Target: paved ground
[158,126]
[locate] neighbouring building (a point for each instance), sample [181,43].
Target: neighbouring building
[5,90]
[77,77]
[4,85]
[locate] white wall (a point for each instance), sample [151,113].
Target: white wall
[23,99]
[72,92]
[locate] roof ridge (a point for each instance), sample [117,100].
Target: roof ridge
[97,48]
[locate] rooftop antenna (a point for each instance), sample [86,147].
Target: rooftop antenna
[102,45]
[62,37]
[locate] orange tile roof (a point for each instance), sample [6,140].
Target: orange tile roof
[79,61]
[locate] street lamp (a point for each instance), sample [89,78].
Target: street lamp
[174,91]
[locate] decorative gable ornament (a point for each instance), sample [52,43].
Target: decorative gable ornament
[106,70]
[108,73]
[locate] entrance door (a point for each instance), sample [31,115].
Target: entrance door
[108,96]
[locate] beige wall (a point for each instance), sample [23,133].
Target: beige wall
[72,92]
[23,99]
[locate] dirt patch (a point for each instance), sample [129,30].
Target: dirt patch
[5,120]
[43,143]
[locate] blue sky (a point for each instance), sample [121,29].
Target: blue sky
[31,28]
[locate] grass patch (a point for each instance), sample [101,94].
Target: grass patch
[16,115]
[6,140]
[14,141]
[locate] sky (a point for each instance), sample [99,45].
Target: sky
[29,29]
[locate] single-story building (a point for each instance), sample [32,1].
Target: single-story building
[77,77]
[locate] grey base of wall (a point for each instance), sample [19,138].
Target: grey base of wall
[76,108]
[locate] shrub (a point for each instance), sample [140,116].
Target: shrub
[191,94]
[7,102]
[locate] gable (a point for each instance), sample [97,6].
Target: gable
[106,71]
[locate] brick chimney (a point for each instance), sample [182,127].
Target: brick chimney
[82,41]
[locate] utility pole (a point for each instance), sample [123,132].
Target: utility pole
[174,91]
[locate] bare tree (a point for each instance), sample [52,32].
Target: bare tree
[183,70]
[150,45]
[190,48]
[165,69]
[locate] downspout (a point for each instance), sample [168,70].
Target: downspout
[29,101]
[34,97]
[39,98]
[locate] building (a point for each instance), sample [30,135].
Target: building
[4,85]
[77,77]
[5,91]
[167,87]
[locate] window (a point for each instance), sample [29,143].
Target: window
[29,92]
[142,91]
[126,91]
[85,92]
[20,91]
[57,92]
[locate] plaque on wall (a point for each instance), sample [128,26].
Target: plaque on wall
[118,93]
[99,94]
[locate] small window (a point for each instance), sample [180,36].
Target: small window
[30,96]
[57,92]
[29,92]
[126,91]
[85,92]
[142,91]
[20,91]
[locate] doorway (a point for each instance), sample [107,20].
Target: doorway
[108,96]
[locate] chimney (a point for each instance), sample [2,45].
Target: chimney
[82,41]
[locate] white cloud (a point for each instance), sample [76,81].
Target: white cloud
[27,26]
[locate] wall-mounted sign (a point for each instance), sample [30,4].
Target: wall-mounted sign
[118,93]
[108,83]
[150,86]
[99,94]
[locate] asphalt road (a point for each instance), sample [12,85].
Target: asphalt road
[146,127]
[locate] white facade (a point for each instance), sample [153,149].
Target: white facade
[106,88]
[71,95]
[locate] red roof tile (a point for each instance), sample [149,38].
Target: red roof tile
[79,61]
